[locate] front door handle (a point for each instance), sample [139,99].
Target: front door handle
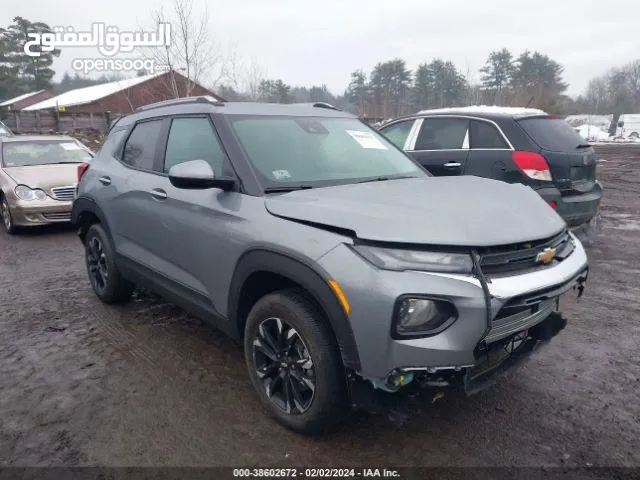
[452,165]
[158,194]
[105,180]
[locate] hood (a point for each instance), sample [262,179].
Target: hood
[44,176]
[457,211]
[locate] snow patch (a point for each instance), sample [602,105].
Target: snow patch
[592,133]
[495,109]
[81,96]
[18,98]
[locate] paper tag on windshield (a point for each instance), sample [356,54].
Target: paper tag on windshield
[281,174]
[70,146]
[367,139]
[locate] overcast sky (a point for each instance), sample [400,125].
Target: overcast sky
[307,43]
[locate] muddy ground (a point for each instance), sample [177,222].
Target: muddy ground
[144,384]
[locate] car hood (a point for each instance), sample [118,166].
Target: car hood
[457,211]
[44,176]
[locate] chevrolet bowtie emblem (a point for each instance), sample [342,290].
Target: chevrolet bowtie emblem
[546,255]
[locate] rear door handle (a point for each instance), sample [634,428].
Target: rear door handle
[105,180]
[452,165]
[158,194]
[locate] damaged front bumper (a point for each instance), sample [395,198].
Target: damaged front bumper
[492,312]
[498,358]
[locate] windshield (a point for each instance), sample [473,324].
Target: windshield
[319,151]
[552,134]
[43,152]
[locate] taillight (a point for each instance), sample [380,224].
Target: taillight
[533,165]
[552,204]
[82,168]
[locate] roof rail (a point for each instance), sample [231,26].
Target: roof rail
[316,105]
[181,101]
[325,105]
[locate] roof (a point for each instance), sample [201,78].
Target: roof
[82,96]
[36,138]
[13,100]
[488,110]
[235,108]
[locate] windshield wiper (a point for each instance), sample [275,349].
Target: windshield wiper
[384,179]
[583,145]
[287,188]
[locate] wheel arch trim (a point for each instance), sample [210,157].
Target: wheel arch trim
[312,278]
[87,205]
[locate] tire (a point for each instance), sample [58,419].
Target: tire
[106,281]
[303,325]
[7,220]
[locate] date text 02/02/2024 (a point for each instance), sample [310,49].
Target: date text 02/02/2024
[315,473]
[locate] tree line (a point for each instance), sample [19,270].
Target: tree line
[616,92]
[391,89]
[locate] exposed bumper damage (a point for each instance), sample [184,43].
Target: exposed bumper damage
[521,315]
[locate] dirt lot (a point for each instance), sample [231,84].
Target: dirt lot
[145,384]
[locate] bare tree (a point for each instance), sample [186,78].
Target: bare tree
[243,75]
[632,71]
[193,51]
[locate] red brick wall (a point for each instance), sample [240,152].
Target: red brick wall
[153,90]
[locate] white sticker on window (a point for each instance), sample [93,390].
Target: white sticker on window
[367,139]
[281,174]
[71,146]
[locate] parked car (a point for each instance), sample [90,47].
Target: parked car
[37,178]
[4,130]
[514,145]
[336,259]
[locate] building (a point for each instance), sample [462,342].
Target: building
[25,100]
[123,96]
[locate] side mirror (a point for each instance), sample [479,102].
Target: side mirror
[198,175]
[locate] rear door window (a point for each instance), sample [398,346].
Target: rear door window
[484,135]
[443,134]
[140,151]
[553,134]
[398,132]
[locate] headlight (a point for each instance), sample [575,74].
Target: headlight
[25,193]
[423,316]
[399,259]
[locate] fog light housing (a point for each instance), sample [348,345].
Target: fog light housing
[420,317]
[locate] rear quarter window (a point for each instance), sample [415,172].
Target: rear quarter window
[553,134]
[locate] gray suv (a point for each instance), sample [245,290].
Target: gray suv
[344,267]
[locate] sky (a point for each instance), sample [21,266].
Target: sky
[311,43]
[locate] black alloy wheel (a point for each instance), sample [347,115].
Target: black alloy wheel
[97,265]
[284,366]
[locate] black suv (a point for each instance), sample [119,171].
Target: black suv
[515,145]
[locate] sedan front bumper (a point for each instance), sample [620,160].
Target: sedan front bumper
[40,212]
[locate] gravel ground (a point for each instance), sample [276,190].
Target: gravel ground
[145,384]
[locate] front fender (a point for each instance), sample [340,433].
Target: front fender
[312,278]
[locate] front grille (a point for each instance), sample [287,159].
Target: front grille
[57,216]
[523,256]
[63,193]
[511,320]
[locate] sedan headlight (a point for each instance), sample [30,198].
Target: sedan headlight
[416,316]
[400,259]
[25,193]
